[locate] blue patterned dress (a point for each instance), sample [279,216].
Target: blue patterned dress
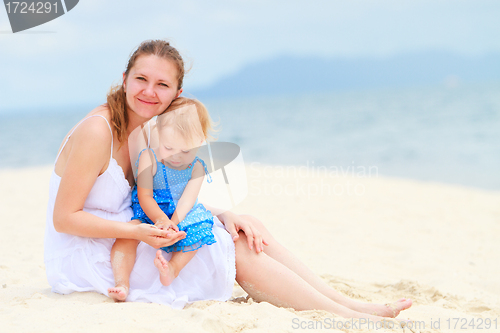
[168,186]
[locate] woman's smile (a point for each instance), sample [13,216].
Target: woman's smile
[147,102]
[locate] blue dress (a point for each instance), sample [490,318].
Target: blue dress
[168,186]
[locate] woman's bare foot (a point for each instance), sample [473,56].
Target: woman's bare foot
[390,310]
[118,293]
[167,272]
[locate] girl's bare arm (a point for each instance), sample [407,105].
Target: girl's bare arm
[145,174]
[190,194]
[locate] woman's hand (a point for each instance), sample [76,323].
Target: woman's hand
[156,237]
[235,223]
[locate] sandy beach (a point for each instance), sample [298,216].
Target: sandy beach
[373,238]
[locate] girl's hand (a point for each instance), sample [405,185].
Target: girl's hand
[235,223]
[156,237]
[167,225]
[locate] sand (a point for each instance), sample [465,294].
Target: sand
[373,238]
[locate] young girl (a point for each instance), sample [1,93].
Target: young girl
[169,179]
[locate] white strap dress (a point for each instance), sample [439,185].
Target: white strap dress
[76,263]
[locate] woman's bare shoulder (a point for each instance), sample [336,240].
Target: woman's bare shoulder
[91,125]
[90,141]
[93,134]
[101,110]
[93,129]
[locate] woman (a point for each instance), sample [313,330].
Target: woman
[90,201]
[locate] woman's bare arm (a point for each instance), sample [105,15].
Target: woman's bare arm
[89,155]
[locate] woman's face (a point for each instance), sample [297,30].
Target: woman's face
[150,87]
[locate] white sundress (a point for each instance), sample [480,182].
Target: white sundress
[76,263]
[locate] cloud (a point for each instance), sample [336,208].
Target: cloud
[92,42]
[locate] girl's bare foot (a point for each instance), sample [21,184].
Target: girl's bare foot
[118,293]
[167,272]
[390,310]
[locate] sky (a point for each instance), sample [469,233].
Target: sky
[75,58]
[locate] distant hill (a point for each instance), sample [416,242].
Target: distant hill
[284,75]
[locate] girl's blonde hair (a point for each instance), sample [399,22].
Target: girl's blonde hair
[183,118]
[116,100]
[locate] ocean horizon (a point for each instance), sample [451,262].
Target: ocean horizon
[434,133]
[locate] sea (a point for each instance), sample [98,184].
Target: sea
[447,134]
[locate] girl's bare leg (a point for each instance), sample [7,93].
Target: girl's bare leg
[169,270]
[123,255]
[280,254]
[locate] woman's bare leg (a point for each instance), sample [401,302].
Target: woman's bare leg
[282,255]
[266,279]
[123,255]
